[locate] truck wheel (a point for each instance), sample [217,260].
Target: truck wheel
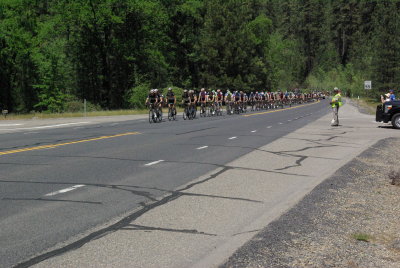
[396,121]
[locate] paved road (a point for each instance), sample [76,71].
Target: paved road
[60,183]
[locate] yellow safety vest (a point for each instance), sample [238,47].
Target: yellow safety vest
[337,100]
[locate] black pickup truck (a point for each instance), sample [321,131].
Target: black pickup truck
[389,112]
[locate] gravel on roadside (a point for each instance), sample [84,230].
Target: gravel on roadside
[350,220]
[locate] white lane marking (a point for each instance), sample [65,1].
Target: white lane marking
[65,190]
[153,163]
[10,125]
[289,120]
[269,127]
[254,131]
[201,148]
[26,133]
[232,138]
[49,126]
[280,123]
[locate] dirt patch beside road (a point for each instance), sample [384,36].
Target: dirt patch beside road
[350,220]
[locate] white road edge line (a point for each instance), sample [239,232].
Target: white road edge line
[10,125]
[153,163]
[269,127]
[280,123]
[254,131]
[50,126]
[232,138]
[65,190]
[201,148]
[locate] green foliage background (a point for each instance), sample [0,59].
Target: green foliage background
[55,53]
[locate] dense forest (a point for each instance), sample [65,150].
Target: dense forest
[55,53]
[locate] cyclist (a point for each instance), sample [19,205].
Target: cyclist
[159,98]
[203,100]
[185,100]
[236,99]
[242,101]
[171,100]
[218,99]
[193,100]
[151,98]
[228,101]
[211,100]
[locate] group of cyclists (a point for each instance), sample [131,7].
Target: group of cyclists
[210,102]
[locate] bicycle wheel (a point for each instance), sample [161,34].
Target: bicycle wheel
[151,116]
[160,115]
[170,115]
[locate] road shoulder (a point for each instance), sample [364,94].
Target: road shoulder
[349,220]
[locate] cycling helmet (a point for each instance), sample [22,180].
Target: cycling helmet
[170,89]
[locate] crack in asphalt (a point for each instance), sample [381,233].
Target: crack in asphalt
[136,227]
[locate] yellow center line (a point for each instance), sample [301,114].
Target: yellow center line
[66,143]
[247,115]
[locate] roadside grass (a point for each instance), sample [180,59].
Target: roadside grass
[79,114]
[369,104]
[362,237]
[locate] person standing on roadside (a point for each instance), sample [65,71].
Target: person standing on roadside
[336,103]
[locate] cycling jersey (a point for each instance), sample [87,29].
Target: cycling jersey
[219,96]
[192,97]
[237,97]
[203,96]
[171,97]
[210,96]
[152,98]
[185,97]
[242,97]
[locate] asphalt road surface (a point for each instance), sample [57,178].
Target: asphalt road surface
[58,183]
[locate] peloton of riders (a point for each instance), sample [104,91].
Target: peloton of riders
[236,101]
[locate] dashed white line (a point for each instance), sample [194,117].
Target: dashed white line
[65,190]
[289,120]
[201,148]
[232,138]
[269,127]
[280,123]
[253,131]
[153,163]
